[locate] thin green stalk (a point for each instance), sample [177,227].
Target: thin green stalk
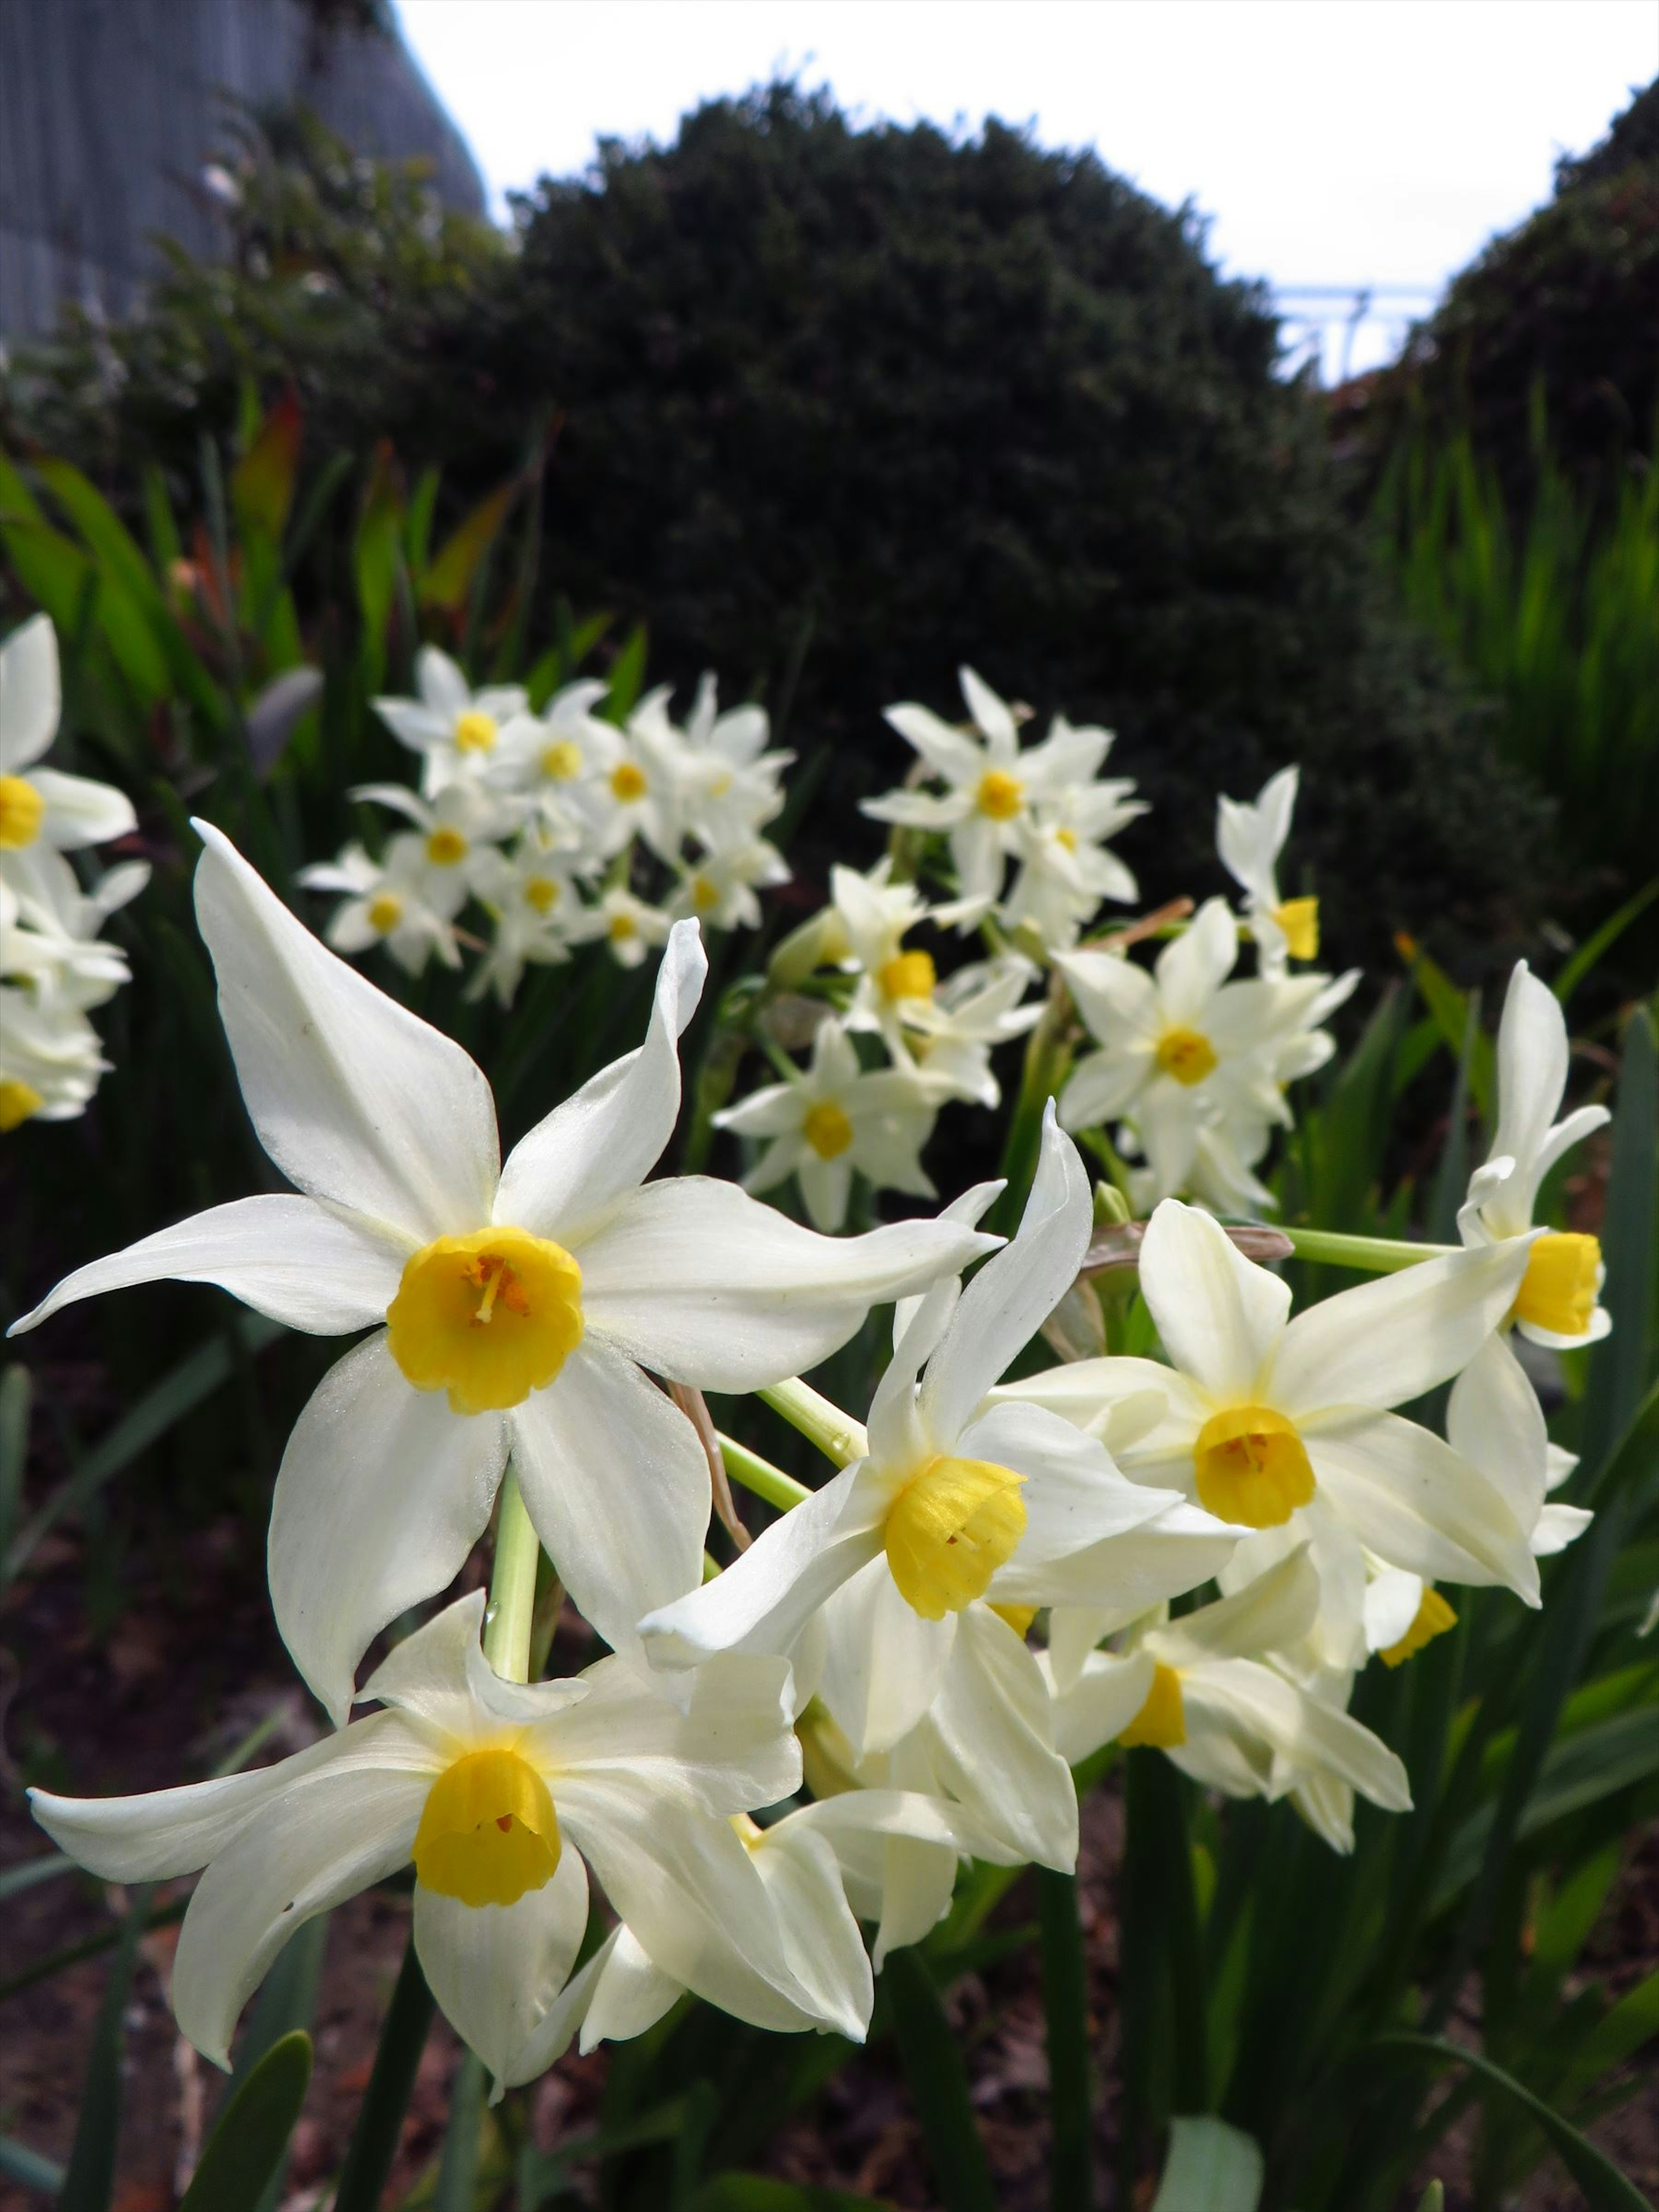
[511,1608]
[759,1475]
[1373,1255]
[836,1434]
[1066,2008]
[374,2139]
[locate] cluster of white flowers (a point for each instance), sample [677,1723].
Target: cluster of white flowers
[546,822]
[980,1596]
[55,966]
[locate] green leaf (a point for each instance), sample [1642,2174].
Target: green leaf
[447,583]
[457,2170]
[543,2174]
[21,2163]
[1604,2188]
[194,1378]
[1066,2010]
[15,1391]
[627,678]
[90,2183]
[262,482]
[939,2086]
[1433,2198]
[245,2151]
[1211,2168]
[758,2192]
[1449,1007]
[374,2143]
[1603,939]
[285,2007]
[1633,2021]
[27,1872]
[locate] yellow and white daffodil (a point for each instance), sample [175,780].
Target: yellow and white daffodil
[43,807]
[992,785]
[455,730]
[950,1038]
[835,1119]
[513,1308]
[1208,1691]
[51,1060]
[49,932]
[629,926]
[449,855]
[1263,1414]
[1558,1304]
[729,785]
[503,1795]
[385,902]
[1182,1052]
[810,1863]
[1249,839]
[870,916]
[718,887]
[952,1504]
[1065,871]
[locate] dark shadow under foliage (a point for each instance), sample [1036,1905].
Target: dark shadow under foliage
[841,408]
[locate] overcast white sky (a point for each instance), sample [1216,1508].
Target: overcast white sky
[1343,142]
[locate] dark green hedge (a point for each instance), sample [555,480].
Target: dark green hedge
[840,408]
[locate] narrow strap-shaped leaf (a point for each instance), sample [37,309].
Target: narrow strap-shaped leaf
[286,2004]
[247,2149]
[380,2123]
[1606,2190]
[14,1394]
[939,2086]
[1212,2167]
[1065,2010]
[458,2170]
[89,2182]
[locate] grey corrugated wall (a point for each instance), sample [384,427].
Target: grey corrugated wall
[109,108]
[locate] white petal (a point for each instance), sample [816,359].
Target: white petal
[703,1284]
[80,811]
[355,1099]
[418,727]
[884,1663]
[440,683]
[821,1939]
[563,1179]
[163,1832]
[1393,1338]
[29,699]
[1192,969]
[946,750]
[315,1847]
[1010,1297]
[630,1994]
[299,1262]
[689,1891]
[992,1734]
[381,1494]
[1306,1731]
[1074,1496]
[1419,1504]
[440,1674]
[827,1186]
[495,1969]
[989,713]
[617,1486]
[1122,1576]
[1391,1603]
[1101,1702]
[734,1747]
[1116,999]
[1494,1420]
[1532,1067]
[1220,1316]
[552,2037]
[1556,1526]
[1276,1610]
[762,1602]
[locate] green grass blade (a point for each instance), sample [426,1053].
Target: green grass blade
[90,2183]
[15,1392]
[457,2170]
[939,2086]
[1602,940]
[1211,2168]
[1606,2190]
[246,2151]
[1065,2010]
[25,2166]
[379,2122]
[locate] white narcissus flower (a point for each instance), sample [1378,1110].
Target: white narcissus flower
[872,916]
[451,853]
[547,757]
[730,783]
[49,932]
[385,902]
[503,1795]
[993,785]
[1558,1304]
[629,926]
[950,1506]
[1264,1414]
[1182,1049]
[1065,871]
[835,1119]
[42,805]
[454,729]
[1249,839]
[1207,1692]
[718,888]
[50,1059]
[513,1308]
[951,1037]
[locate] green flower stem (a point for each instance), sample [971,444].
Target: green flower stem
[1373,1255]
[511,1610]
[759,1475]
[836,1434]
